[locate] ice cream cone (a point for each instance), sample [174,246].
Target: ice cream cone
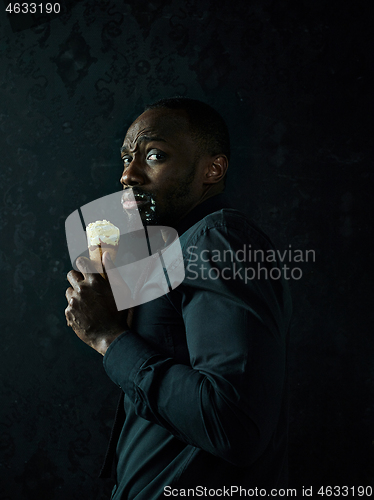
[102,236]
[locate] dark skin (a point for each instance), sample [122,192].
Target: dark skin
[160,157]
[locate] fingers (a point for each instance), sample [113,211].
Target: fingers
[69,294]
[88,273]
[69,316]
[114,276]
[107,261]
[73,314]
[74,277]
[86,267]
[120,289]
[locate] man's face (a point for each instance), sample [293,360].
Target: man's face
[162,166]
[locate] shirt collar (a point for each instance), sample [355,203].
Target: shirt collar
[202,210]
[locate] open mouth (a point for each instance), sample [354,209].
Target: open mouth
[133,204]
[131,200]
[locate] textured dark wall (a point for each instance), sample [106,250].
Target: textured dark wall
[292,79]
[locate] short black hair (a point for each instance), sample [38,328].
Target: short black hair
[207,124]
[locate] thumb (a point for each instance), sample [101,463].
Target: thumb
[121,292]
[113,273]
[107,261]
[86,267]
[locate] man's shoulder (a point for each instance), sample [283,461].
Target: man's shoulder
[226,222]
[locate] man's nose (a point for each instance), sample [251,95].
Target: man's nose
[132,174]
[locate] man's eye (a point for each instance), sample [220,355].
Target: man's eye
[126,159]
[155,156]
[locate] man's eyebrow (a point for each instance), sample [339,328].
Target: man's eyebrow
[144,138]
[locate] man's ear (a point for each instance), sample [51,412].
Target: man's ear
[216,169]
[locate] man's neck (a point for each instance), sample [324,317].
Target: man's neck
[210,191]
[199,211]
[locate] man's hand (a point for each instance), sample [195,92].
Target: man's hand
[92,311]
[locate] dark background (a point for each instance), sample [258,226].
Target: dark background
[292,80]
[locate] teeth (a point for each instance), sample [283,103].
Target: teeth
[136,197]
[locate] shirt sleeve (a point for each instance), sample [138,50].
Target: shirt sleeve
[228,400]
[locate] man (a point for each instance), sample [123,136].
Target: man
[202,368]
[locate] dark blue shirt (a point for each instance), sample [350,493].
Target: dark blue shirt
[203,369]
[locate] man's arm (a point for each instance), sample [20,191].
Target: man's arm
[228,401]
